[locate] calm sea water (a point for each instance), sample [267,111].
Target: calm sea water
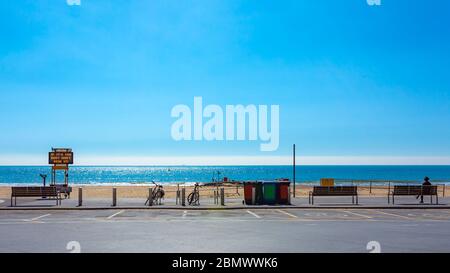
[167,174]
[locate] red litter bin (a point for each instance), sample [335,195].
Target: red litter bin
[249,193]
[283,193]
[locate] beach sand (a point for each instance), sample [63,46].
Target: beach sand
[141,191]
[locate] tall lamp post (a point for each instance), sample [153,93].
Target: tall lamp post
[294,168]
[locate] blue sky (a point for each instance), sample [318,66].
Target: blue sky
[351,79]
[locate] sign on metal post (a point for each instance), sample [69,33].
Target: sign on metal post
[60,157]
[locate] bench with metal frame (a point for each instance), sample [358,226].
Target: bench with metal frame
[42,192]
[414,191]
[334,191]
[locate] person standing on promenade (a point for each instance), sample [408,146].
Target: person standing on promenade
[425,187]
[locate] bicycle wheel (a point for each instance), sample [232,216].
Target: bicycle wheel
[196,198]
[193,198]
[190,198]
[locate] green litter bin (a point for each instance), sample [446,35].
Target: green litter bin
[270,193]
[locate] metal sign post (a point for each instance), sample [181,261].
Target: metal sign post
[60,158]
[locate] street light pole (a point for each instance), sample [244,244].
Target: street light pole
[294,168]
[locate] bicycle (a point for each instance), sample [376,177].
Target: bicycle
[194,197]
[157,195]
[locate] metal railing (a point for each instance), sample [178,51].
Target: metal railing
[374,183]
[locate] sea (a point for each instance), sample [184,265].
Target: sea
[131,175]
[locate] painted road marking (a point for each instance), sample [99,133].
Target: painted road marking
[287,213]
[391,214]
[39,217]
[254,214]
[184,214]
[261,218]
[357,214]
[115,214]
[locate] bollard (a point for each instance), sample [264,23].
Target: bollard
[114,197]
[443,191]
[178,197]
[222,196]
[80,197]
[150,197]
[183,197]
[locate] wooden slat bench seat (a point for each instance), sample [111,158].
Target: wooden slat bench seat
[35,192]
[414,191]
[334,191]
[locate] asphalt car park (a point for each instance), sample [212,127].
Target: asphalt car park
[240,230]
[25,216]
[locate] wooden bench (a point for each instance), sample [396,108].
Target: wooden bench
[334,191]
[414,191]
[35,192]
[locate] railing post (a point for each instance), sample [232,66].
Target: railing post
[370,187]
[80,197]
[216,197]
[443,191]
[114,197]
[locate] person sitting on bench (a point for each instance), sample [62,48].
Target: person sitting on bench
[426,183]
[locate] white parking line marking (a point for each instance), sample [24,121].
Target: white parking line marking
[39,217]
[391,214]
[184,214]
[254,214]
[357,214]
[115,214]
[287,213]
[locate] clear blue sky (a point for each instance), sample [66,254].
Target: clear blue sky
[102,78]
